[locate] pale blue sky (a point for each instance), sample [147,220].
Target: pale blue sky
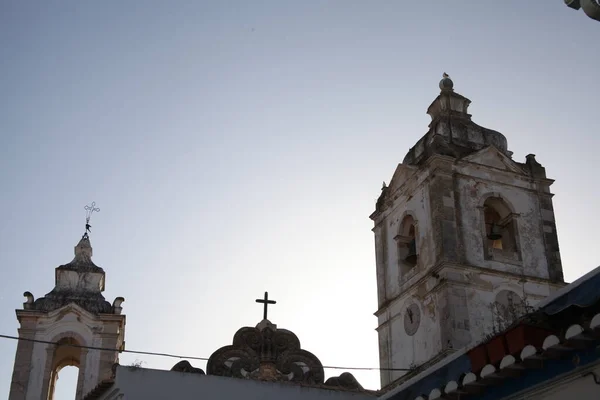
[238,147]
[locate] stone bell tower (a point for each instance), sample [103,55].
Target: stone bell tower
[461,228]
[56,329]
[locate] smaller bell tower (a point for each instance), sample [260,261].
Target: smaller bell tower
[57,330]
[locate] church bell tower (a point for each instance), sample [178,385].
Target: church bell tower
[461,230]
[57,330]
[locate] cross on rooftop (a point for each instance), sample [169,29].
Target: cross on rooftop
[266,303]
[89,210]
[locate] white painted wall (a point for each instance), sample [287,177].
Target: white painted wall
[70,321]
[151,384]
[573,386]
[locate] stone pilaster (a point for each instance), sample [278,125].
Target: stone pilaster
[81,376]
[49,374]
[447,235]
[381,261]
[555,271]
[384,354]
[22,366]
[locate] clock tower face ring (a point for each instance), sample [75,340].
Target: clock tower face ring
[412,319]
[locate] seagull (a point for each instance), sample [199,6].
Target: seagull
[446,75]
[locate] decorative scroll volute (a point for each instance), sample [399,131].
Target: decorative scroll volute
[291,363]
[233,361]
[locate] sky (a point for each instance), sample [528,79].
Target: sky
[238,147]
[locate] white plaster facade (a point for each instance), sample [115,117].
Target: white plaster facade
[581,385]
[133,383]
[42,360]
[445,187]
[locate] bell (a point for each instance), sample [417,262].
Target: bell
[495,232]
[411,257]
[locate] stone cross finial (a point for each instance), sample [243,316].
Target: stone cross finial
[266,303]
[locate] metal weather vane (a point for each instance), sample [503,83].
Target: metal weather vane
[89,209]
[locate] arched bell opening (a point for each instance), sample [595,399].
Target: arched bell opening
[67,353]
[500,229]
[65,383]
[407,245]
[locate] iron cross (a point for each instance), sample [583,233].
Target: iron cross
[89,210]
[266,303]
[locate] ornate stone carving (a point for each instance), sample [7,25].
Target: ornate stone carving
[116,306]
[185,366]
[345,381]
[28,305]
[382,197]
[266,353]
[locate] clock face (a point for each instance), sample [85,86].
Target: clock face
[412,319]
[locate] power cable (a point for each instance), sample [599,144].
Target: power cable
[150,353]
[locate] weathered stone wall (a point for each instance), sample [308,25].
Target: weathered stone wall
[384,353]
[412,199]
[447,235]
[417,207]
[382,262]
[555,272]
[475,184]
[456,280]
[22,367]
[471,295]
[401,349]
[455,317]
[455,312]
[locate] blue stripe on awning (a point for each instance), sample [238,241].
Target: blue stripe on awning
[437,379]
[584,295]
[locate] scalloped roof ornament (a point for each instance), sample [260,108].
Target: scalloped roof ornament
[267,353]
